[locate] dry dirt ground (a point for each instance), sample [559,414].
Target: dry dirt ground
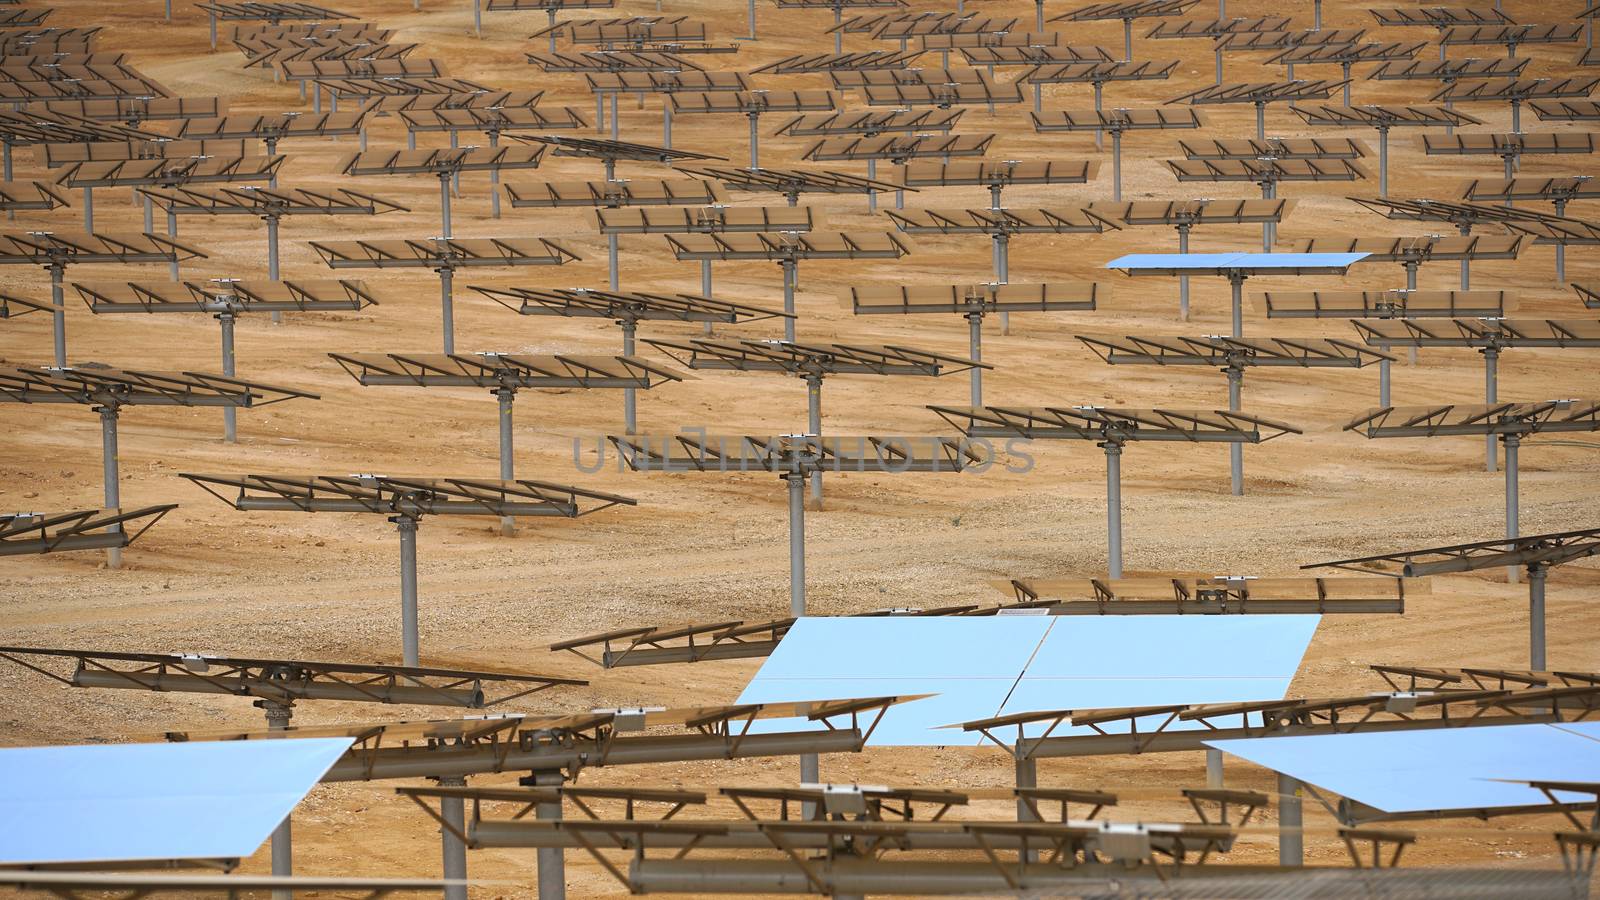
[711,547]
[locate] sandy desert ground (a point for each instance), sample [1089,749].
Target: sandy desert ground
[701,548]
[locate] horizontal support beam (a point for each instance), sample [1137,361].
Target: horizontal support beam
[377,692]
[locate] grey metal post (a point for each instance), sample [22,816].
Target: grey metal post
[552,13]
[1269,229]
[666,121]
[272,259]
[1027,777]
[755,140]
[1127,40]
[1491,394]
[1261,118]
[453,810]
[1383,382]
[1513,443]
[611,260]
[1516,112]
[213,18]
[58,314]
[88,209]
[1213,768]
[1219,64]
[411,140]
[149,215]
[272,180]
[752,20]
[1003,272]
[705,286]
[1235,449]
[1346,66]
[230,415]
[1536,576]
[814,426]
[278,715]
[630,410]
[599,109]
[1113,507]
[1237,283]
[1411,266]
[1316,16]
[1183,280]
[838,36]
[444,203]
[797,543]
[1383,161]
[108,464]
[872,196]
[611,168]
[477,18]
[407,526]
[1561,248]
[1038,97]
[447,305]
[1099,133]
[552,862]
[994,195]
[1038,15]
[1116,164]
[1466,264]
[507,397]
[172,232]
[494,179]
[788,298]
[614,115]
[1508,173]
[975,353]
[316,98]
[1291,841]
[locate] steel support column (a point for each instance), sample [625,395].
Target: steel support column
[108,474]
[789,266]
[447,305]
[1236,282]
[272,259]
[814,427]
[1513,525]
[1466,264]
[1113,451]
[797,543]
[755,140]
[1383,382]
[705,286]
[172,232]
[1002,272]
[1116,164]
[1213,768]
[278,716]
[1235,449]
[1183,280]
[494,179]
[1491,395]
[1561,248]
[975,353]
[230,414]
[1536,577]
[1291,839]
[506,397]
[444,203]
[611,260]
[872,196]
[453,810]
[407,526]
[88,209]
[630,409]
[58,313]
[1383,160]
[1099,98]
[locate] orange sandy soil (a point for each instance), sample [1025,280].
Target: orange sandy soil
[702,548]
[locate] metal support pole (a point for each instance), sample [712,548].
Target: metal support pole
[411,140]
[1002,272]
[1261,118]
[599,110]
[872,196]
[1235,449]
[213,33]
[1491,395]
[630,411]
[1346,66]
[1027,775]
[705,286]
[444,203]
[838,35]
[1516,114]
[1316,15]
[407,526]
[814,426]
[788,298]
[611,260]
[494,180]
[1291,841]
[1513,525]
[611,168]
[797,543]
[58,314]
[666,121]
[230,415]
[1466,264]
[149,215]
[1038,97]
[752,20]
[1219,64]
[1411,266]
[88,209]
[1269,229]
[552,862]
[1183,280]
[1383,161]
[614,115]
[975,353]
[1213,768]
[278,715]
[1237,283]
[1536,576]
[108,464]
[994,195]
[1113,508]
[507,397]
[1127,40]
[477,18]
[1116,164]
[316,98]
[1099,101]
[272,259]
[172,232]
[453,810]
[1561,248]
[1038,15]
[447,306]
[755,140]
[552,13]
[1383,382]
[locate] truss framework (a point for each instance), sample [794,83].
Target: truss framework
[28,533]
